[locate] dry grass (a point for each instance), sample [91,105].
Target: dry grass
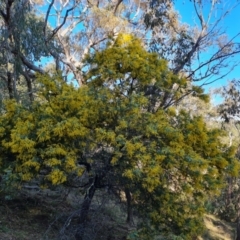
[30,219]
[24,219]
[21,220]
[218,229]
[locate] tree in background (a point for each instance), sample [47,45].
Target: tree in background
[63,33]
[227,206]
[202,51]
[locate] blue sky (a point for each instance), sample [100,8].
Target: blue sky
[230,24]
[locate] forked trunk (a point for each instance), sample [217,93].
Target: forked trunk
[84,211]
[129,207]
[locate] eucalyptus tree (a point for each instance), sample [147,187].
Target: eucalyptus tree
[22,45]
[37,34]
[203,50]
[228,204]
[82,27]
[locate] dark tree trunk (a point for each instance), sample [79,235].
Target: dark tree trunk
[10,85]
[238,229]
[29,87]
[229,191]
[129,207]
[238,219]
[84,210]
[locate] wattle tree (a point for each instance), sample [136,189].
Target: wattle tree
[120,131]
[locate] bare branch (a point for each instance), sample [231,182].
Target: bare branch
[47,16]
[27,63]
[116,7]
[199,14]
[61,25]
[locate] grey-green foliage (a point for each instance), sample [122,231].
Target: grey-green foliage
[32,39]
[22,45]
[25,33]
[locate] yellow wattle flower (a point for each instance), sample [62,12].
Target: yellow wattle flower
[124,39]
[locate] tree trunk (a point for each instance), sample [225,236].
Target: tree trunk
[84,211]
[229,191]
[10,85]
[129,207]
[238,219]
[29,87]
[238,229]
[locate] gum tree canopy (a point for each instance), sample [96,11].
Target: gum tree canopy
[42,35]
[119,131]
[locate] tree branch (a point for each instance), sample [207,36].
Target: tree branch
[27,63]
[60,26]
[116,7]
[46,18]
